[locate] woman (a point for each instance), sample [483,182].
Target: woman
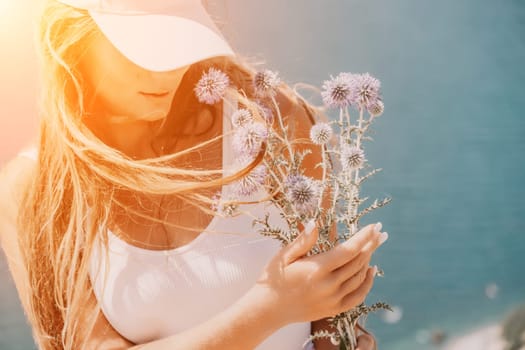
[114,246]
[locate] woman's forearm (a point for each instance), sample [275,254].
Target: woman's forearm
[244,325]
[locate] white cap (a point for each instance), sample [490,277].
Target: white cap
[158,35]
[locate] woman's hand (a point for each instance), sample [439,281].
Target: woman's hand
[306,288]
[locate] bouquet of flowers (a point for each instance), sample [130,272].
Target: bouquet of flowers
[299,197]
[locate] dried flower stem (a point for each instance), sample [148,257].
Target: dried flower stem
[355,185]
[283,128]
[324,161]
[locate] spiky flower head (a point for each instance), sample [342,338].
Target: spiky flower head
[338,92]
[252,182]
[303,193]
[376,108]
[212,86]
[247,140]
[321,133]
[241,117]
[366,89]
[265,83]
[352,157]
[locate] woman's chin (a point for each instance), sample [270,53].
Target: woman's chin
[153,117]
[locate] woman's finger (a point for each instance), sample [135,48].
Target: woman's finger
[345,272]
[352,283]
[358,296]
[301,245]
[353,266]
[372,245]
[346,251]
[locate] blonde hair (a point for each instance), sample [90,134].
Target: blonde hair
[76,178]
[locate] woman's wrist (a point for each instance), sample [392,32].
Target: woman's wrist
[263,302]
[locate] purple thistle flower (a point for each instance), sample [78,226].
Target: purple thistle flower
[265,83]
[376,108]
[303,193]
[338,92]
[352,157]
[366,89]
[241,117]
[212,86]
[248,139]
[251,183]
[320,133]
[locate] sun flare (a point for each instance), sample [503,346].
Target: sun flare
[4,7]
[8,14]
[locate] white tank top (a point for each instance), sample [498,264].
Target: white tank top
[152,294]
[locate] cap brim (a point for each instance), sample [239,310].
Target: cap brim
[162,42]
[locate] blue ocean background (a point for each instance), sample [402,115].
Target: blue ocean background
[451,145]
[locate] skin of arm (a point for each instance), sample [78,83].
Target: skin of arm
[244,325]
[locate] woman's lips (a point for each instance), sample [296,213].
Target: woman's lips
[155,94]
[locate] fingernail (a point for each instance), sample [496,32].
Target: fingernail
[374,272]
[309,227]
[383,237]
[378,227]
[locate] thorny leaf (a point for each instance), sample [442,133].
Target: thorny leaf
[375,205]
